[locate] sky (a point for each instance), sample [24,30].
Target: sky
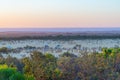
[59,13]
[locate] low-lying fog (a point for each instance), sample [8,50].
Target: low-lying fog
[23,48]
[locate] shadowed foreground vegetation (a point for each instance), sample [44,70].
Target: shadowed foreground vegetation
[94,66]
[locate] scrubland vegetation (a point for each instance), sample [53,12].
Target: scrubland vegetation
[92,66]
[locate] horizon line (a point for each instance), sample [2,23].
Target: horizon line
[59,28]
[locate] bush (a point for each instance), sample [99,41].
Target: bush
[4,50]
[7,73]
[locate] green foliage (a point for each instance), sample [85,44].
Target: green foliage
[57,72]
[50,57]
[17,76]
[110,52]
[7,73]
[28,69]
[29,77]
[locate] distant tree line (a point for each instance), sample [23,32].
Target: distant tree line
[63,37]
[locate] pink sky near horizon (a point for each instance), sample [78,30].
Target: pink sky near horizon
[57,21]
[24,15]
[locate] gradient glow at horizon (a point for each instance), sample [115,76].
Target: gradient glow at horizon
[59,13]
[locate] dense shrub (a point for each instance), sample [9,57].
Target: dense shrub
[94,66]
[7,73]
[4,50]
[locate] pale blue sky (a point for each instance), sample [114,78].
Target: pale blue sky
[55,5]
[77,10]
